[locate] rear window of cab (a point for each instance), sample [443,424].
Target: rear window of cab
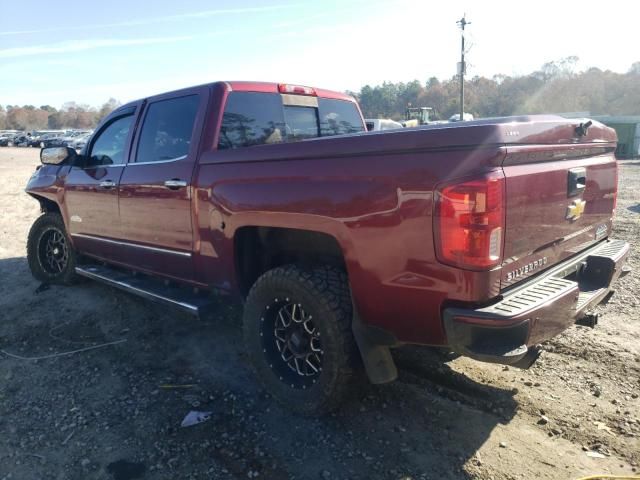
[252,118]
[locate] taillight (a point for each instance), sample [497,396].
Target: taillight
[469,222]
[297,89]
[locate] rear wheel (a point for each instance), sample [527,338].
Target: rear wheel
[297,328]
[49,253]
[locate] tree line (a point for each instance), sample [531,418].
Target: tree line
[70,115]
[557,87]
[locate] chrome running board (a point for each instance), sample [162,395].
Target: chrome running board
[157,290]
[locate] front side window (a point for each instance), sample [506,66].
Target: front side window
[110,145]
[167,129]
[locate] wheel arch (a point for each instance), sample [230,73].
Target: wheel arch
[47,205]
[258,249]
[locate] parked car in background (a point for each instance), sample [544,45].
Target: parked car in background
[6,138]
[48,140]
[34,139]
[20,140]
[44,139]
[36,136]
[375,124]
[467,117]
[79,142]
[65,140]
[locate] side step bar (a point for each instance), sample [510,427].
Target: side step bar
[184,298]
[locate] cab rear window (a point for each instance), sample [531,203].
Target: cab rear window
[338,117]
[252,118]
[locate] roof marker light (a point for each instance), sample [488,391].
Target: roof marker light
[296,89]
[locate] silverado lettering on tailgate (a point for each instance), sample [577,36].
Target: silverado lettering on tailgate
[529,267]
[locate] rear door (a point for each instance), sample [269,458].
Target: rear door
[559,201]
[155,189]
[91,188]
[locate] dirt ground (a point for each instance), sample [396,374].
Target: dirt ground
[107,413]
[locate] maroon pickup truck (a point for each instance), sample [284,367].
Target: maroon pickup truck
[484,237]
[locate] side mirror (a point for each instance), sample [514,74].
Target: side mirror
[57,155]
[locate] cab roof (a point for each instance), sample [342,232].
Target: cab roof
[249,86]
[270,87]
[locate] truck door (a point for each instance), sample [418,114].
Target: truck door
[91,188]
[155,189]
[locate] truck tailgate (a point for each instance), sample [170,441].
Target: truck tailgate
[560,200]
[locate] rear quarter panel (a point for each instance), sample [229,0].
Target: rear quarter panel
[378,206]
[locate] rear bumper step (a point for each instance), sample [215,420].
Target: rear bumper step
[539,309]
[157,290]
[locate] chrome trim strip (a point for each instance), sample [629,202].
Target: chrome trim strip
[159,161]
[134,245]
[130,288]
[121,165]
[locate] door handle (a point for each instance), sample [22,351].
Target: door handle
[175,183]
[576,181]
[107,184]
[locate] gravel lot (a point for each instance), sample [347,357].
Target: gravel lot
[115,412]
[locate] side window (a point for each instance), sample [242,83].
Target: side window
[110,145]
[251,119]
[167,128]
[338,117]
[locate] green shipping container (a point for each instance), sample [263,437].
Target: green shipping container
[628,130]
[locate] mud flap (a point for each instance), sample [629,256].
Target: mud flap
[376,357]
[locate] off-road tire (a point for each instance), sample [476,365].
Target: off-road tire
[324,293]
[44,225]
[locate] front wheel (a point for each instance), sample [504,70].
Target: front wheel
[49,253]
[297,329]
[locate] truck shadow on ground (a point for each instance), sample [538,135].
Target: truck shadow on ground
[132,397]
[431,421]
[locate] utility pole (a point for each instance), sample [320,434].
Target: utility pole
[462,23]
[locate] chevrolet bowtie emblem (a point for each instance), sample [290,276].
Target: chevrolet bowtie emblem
[575,210]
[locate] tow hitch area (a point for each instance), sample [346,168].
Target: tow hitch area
[589,320]
[529,359]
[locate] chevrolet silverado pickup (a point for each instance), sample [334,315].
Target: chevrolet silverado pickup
[486,237]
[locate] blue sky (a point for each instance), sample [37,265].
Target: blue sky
[53,52]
